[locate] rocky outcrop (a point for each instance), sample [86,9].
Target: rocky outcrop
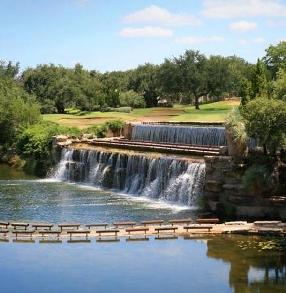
[225,193]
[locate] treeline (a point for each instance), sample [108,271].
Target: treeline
[184,80]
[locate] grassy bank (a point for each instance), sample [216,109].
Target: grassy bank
[209,112]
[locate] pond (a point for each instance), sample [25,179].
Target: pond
[215,264]
[206,264]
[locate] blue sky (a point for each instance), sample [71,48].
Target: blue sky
[120,34]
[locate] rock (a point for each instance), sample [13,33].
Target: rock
[61,138]
[266,223]
[236,223]
[223,150]
[87,136]
[233,187]
[214,186]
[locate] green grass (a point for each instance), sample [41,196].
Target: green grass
[213,112]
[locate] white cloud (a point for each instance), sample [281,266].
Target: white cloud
[243,8]
[192,40]
[160,16]
[243,26]
[147,31]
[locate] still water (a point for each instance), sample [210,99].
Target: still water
[208,264]
[216,264]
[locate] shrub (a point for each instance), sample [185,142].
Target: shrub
[132,99]
[265,120]
[122,109]
[97,130]
[235,123]
[36,140]
[115,125]
[257,178]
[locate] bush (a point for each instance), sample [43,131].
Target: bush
[97,130]
[132,99]
[105,108]
[48,107]
[257,178]
[122,109]
[265,120]
[115,125]
[100,130]
[234,122]
[17,111]
[35,141]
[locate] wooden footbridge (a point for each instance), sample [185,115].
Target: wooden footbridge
[158,228]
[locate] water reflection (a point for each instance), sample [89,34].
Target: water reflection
[255,265]
[214,264]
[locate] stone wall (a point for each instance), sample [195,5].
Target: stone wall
[226,195]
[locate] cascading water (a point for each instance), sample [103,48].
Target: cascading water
[194,135]
[165,178]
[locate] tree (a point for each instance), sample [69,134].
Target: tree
[17,110]
[8,70]
[260,85]
[279,85]
[276,58]
[59,87]
[144,81]
[193,75]
[200,76]
[132,99]
[240,74]
[265,120]
[218,76]
[169,79]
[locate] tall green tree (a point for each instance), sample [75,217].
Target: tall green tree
[144,81]
[260,84]
[279,85]
[275,58]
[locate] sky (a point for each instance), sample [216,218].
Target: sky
[108,35]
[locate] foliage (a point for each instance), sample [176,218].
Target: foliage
[143,80]
[132,99]
[115,125]
[36,140]
[259,82]
[276,58]
[183,79]
[100,130]
[235,123]
[35,145]
[61,87]
[279,85]
[97,130]
[265,120]
[193,75]
[257,178]
[8,70]
[17,110]
[122,109]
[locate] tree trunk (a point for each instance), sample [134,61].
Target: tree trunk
[197,104]
[264,149]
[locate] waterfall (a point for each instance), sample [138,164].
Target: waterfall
[161,178]
[194,135]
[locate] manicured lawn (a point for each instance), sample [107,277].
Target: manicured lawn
[209,112]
